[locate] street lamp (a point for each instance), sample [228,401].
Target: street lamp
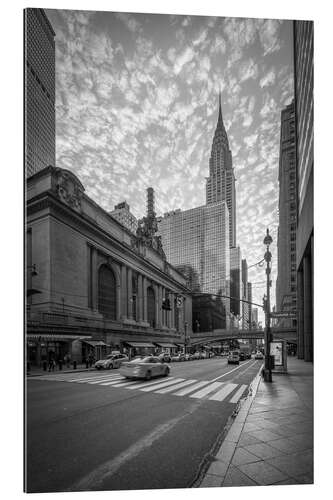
[185,336]
[268,358]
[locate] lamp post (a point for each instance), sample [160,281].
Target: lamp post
[185,336]
[268,359]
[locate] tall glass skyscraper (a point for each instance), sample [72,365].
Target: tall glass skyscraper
[197,242]
[220,185]
[39,102]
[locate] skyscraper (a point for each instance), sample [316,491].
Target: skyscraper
[220,185]
[196,241]
[39,106]
[286,280]
[235,280]
[123,215]
[303,80]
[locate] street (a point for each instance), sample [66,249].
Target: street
[99,431]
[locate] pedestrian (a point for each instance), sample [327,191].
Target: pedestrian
[60,363]
[87,361]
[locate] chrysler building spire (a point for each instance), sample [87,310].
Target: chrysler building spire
[221,181]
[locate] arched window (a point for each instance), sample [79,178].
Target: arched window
[151,306]
[107,298]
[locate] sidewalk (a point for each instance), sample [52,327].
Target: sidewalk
[36,370]
[271,440]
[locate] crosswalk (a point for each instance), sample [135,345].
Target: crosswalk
[198,389]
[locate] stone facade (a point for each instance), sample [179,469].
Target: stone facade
[88,277]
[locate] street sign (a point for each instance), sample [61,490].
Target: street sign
[283,314]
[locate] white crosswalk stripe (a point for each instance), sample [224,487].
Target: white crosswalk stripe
[200,389]
[147,384]
[206,390]
[162,384]
[183,392]
[238,394]
[177,386]
[223,393]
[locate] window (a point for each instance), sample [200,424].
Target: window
[107,292]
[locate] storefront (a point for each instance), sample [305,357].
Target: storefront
[139,349]
[166,347]
[94,350]
[41,348]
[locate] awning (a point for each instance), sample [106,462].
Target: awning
[139,344]
[52,337]
[165,344]
[94,343]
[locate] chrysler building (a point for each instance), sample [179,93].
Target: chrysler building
[220,184]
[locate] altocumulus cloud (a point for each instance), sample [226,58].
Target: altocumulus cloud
[136,105]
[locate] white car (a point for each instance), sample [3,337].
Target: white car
[147,367]
[259,355]
[111,361]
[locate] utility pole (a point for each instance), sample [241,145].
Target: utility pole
[268,336]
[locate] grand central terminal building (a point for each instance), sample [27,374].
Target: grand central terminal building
[93,286]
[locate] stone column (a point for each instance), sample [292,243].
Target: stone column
[145,301]
[307,309]
[129,294]
[123,291]
[172,312]
[94,279]
[157,306]
[139,299]
[118,292]
[300,315]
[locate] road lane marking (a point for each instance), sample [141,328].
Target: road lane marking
[100,474]
[223,393]
[147,384]
[206,390]
[105,379]
[112,382]
[224,374]
[100,379]
[92,377]
[124,384]
[177,386]
[191,389]
[238,394]
[162,384]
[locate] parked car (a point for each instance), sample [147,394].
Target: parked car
[259,355]
[233,357]
[164,357]
[188,357]
[111,361]
[146,367]
[196,355]
[178,357]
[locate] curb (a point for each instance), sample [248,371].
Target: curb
[58,372]
[218,469]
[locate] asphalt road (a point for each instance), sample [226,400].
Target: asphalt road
[82,435]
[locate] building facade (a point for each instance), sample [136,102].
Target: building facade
[197,241]
[245,291]
[235,280]
[303,82]
[286,244]
[220,185]
[123,215]
[91,281]
[39,91]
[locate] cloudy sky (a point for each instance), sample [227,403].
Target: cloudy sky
[137,104]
